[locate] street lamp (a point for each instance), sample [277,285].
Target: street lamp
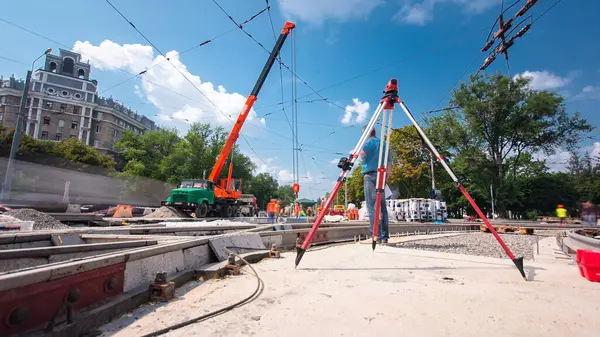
[6,187]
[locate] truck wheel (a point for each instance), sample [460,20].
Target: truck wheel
[201,210]
[227,211]
[235,211]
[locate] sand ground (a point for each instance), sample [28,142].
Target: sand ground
[351,291]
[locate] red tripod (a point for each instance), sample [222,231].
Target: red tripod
[391,97]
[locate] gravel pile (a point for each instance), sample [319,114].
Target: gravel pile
[166,212]
[482,244]
[43,221]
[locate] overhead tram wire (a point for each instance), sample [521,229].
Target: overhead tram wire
[98,60]
[374,70]
[281,63]
[187,79]
[546,11]
[502,11]
[185,51]
[478,71]
[281,82]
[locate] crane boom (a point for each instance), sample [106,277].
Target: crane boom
[235,132]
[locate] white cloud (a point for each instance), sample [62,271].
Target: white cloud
[416,14]
[173,105]
[264,166]
[421,12]
[355,113]
[558,162]
[545,80]
[588,92]
[334,161]
[286,177]
[317,11]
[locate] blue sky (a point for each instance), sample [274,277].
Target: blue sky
[426,44]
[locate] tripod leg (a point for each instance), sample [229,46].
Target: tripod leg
[517,261]
[382,173]
[346,168]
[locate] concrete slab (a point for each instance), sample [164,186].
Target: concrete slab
[236,243]
[351,291]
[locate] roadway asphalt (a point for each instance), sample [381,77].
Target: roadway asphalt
[351,291]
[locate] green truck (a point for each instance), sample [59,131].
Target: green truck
[198,196]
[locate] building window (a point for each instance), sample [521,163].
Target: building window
[58,137]
[3,100]
[74,125]
[44,135]
[63,107]
[48,105]
[53,67]
[76,110]
[81,73]
[96,143]
[61,123]
[100,116]
[68,65]
[28,104]
[46,121]
[116,133]
[98,129]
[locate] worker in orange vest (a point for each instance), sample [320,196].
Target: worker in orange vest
[271,211]
[297,210]
[276,209]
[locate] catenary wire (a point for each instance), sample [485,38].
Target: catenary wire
[463,74]
[185,51]
[186,78]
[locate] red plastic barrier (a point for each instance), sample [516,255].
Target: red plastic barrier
[588,262]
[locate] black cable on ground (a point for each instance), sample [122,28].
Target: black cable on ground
[255,293]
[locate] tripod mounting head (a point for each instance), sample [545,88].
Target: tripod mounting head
[391,89]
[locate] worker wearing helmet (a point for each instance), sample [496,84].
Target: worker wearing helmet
[561,213]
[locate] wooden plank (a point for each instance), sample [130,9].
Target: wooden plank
[235,243]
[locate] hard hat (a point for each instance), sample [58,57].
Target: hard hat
[560,206]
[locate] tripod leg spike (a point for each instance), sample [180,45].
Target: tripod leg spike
[299,253]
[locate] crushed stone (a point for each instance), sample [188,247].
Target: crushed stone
[42,221]
[480,244]
[166,212]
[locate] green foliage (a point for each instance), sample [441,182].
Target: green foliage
[164,156]
[355,184]
[497,127]
[263,186]
[285,194]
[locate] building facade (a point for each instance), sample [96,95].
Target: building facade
[63,103]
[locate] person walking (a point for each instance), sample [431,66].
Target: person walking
[271,211]
[370,159]
[561,213]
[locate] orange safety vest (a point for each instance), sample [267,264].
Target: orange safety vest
[275,208]
[270,207]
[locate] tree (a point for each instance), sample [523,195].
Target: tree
[410,163]
[355,184]
[285,194]
[263,187]
[585,177]
[504,120]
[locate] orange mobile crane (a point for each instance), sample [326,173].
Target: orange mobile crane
[203,196]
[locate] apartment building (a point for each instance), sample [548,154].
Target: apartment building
[63,103]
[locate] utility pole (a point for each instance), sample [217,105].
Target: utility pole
[492,195]
[7,186]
